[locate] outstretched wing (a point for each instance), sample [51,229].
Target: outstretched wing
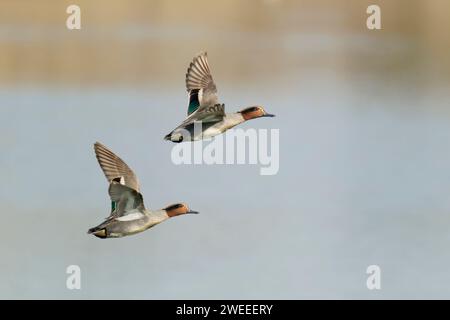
[200,84]
[129,202]
[115,168]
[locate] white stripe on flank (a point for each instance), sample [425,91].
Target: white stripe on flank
[131,216]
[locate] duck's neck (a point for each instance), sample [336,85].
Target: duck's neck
[233,119]
[157,216]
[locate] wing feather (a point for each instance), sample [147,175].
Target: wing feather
[115,168]
[200,84]
[128,201]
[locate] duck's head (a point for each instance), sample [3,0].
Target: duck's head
[178,209]
[254,112]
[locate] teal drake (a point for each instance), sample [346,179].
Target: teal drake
[128,214]
[204,107]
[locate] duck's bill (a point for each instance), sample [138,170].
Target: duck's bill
[193,212]
[269,115]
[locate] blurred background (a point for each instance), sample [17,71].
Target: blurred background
[364,123]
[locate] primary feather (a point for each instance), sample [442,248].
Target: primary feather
[115,168]
[200,84]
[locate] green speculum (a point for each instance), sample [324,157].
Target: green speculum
[193,105]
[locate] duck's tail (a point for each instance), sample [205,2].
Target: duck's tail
[92,230]
[98,232]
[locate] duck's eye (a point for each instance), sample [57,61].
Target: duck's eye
[174,207]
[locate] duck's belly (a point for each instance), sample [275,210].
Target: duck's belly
[228,122]
[125,228]
[212,131]
[207,130]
